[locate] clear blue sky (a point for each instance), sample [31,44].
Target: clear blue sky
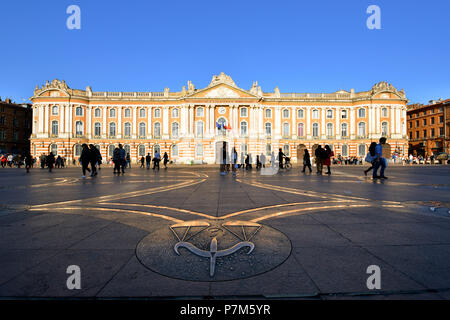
[299,45]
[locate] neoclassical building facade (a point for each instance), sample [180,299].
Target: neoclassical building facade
[190,124]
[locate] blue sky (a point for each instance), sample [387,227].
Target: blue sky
[299,46]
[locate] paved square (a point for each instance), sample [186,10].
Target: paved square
[189,232]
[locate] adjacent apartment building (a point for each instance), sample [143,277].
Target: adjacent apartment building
[192,124]
[428,128]
[15,127]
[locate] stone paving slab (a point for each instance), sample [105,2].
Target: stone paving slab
[44,229]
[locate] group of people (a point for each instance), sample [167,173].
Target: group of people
[90,156]
[322,158]
[147,160]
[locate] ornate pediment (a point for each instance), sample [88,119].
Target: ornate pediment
[386,87]
[222,92]
[221,78]
[55,84]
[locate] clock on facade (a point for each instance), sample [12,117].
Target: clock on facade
[222,110]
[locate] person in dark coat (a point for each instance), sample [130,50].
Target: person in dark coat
[319,155]
[148,160]
[95,156]
[281,156]
[166,159]
[327,158]
[306,161]
[50,160]
[85,159]
[28,161]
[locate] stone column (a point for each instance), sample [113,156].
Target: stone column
[294,122]
[105,123]
[323,125]
[191,121]
[149,122]
[119,122]
[338,122]
[134,128]
[352,123]
[88,121]
[165,120]
[308,123]
[46,119]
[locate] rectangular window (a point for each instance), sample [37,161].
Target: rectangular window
[432,132]
[432,120]
[424,133]
[424,122]
[441,119]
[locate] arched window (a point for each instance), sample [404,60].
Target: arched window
[199,150]
[141,113]
[286,130]
[141,150]
[199,129]
[127,113]
[384,112]
[54,149]
[127,149]
[384,129]
[361,113]
[175,150]
[244,112]
[55,128]
[127,129]
[157,148]
[330,130]
[362,150]
[77,150]
[315,130]
[142,130]
[243,129]
[79,111]
[199,112]
[362,129]
[286,149]
[300,114]
[175,129]
[268,127]
[286,113]
[157,130]
[79,128]
[175,113]
[315,114]
[329,114]
[344,114]
[97,113]
[268,113]
[111,148]
[300,129]
[97,129]
[55,110]
[344,150]
[344,130]
[112,113]
[112,129]
[157,113]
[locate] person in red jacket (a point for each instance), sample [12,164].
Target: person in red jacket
[327,160]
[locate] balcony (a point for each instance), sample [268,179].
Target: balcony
[79,136]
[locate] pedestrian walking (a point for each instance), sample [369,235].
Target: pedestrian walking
[95,157]
[281,156]
[148,160]
[306,161]
[156,160]
[327,160]
[370,157]
[50,160]
[142,161]
[28,162]
[166,159]
[379,160]
[85,159]
[319,157]
[234,161]
[122,158]
[116,160]
[128,159]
